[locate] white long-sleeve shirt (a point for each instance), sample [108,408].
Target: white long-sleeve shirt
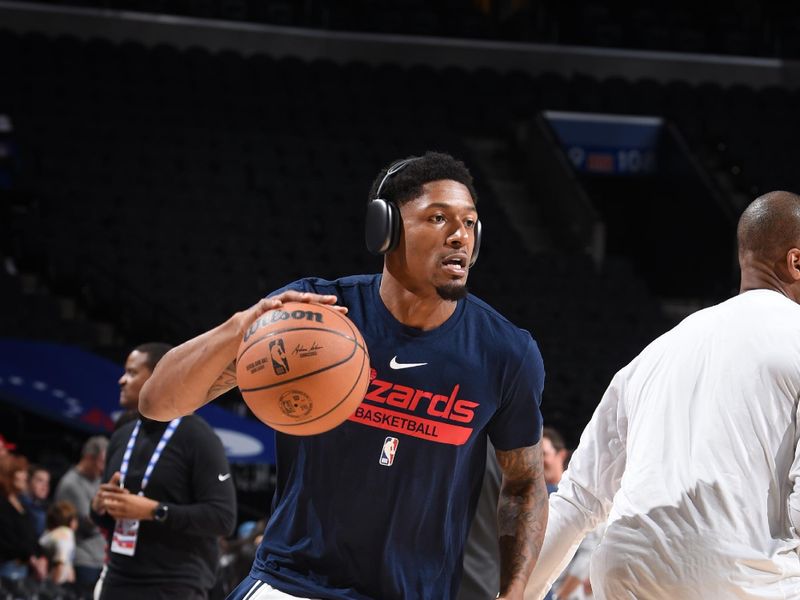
[692,456]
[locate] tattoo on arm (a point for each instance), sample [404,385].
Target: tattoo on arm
[521,514]
[226,381]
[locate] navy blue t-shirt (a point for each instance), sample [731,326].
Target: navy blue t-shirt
[348,525]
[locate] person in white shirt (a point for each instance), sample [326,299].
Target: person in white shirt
[58,541]
[692,453]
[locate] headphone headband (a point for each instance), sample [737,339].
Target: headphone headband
[394,168]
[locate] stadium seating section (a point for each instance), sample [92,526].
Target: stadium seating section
[745,27]
[165,189]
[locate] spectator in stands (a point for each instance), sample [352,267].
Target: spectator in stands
[168,496]
[19,550]
[78,486]
[554,457]
[238,553]
[37,498]
[6,447]
[58,542]
[694,449]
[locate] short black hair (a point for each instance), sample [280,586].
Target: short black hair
[406,185]
[155,351]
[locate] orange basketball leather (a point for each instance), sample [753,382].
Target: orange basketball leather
[303,368]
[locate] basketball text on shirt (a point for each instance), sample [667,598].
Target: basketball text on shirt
[402,417]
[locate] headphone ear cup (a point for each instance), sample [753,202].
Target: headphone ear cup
[382,231]
[395,222]
[477,247]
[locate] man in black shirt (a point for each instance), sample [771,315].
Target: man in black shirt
[168,497]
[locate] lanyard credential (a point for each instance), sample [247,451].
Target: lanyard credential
[126,458]
[126,531]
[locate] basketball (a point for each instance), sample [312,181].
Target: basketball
[302,368]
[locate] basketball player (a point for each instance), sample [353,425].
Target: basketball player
[380,506]
[692,454]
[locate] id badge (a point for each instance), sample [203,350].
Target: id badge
[124,539]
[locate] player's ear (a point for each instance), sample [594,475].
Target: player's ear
[793,263]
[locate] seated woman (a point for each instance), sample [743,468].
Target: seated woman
[19,550]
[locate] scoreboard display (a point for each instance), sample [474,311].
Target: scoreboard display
[608,144]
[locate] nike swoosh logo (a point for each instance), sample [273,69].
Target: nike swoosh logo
[225,477]
[397,365]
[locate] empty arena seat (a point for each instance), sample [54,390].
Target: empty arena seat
[252,171]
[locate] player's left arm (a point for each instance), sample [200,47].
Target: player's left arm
[521,516]
[794,478]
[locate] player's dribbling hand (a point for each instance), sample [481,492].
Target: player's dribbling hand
[246,317]
[295,296]
[266,304]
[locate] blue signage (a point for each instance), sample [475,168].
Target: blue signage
[80,389]
[608,144]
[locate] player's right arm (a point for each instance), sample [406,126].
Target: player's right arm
[203,368]
[586,490]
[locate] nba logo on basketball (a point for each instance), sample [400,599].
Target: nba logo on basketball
[278,354]
[387,453]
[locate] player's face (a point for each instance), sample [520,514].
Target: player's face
[438,238]
[132,380]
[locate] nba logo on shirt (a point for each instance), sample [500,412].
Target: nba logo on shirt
[387,453]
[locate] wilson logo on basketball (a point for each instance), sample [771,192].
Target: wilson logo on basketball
[274,316]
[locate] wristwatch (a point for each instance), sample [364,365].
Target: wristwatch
[160,513]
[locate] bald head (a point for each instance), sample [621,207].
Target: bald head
[769,244]
[769,227]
